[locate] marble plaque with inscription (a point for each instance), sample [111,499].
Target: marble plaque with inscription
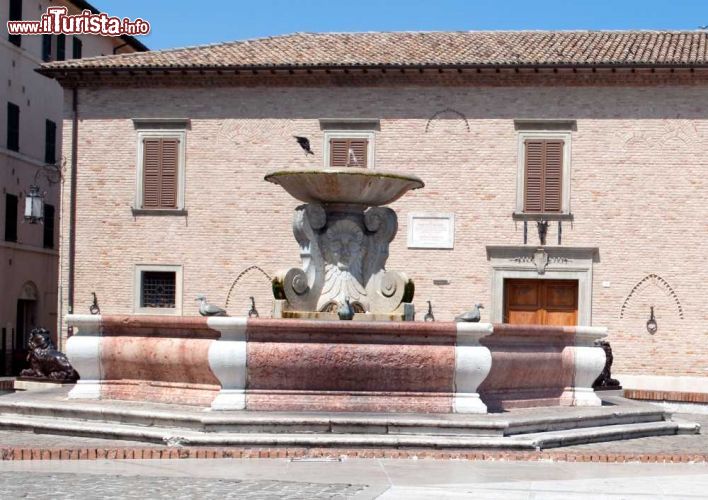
[431,230]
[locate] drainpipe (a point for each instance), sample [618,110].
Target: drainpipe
[72,197]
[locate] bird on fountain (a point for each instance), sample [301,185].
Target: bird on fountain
[472,316]
[206,309]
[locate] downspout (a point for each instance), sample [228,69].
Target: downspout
[72,197]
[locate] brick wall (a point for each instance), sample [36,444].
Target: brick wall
[638,189]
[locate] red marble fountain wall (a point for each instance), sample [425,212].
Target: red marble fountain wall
[308,365]
[403,367]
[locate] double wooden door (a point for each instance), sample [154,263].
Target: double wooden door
[541,302]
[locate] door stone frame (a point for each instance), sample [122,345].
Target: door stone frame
[535,262]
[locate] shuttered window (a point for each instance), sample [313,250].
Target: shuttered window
[10,217]
[46,48]
[543,175]
[15,14]
[160,172]
[13,127]
[50,142]
[48,235]
[77,48]
[61,47]
[348,152]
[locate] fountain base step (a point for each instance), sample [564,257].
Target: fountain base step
[49,412]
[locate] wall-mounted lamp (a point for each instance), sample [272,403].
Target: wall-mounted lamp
[651,324]
[34,201]
[34,205]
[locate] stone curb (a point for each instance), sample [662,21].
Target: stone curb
[128,453]
[669,396]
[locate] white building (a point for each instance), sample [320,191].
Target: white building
[30,154]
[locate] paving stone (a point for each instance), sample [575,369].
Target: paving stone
[72,486]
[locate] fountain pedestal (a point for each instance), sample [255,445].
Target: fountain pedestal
[344,236]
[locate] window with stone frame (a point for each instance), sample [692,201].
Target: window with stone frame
[543,175]
[158,289]
[160,166]
[349,144]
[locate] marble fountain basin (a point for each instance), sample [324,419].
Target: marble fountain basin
[350,185]
[237,363]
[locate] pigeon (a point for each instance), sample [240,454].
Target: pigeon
[206,309]
[345,310]
[253,312]
[429,315]
[472,316]
[304,143]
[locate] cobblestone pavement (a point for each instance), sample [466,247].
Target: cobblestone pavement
[358,479]
[70,486]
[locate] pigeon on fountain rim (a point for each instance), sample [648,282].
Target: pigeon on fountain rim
[206,309]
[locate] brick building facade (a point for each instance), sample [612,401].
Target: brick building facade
[632,228]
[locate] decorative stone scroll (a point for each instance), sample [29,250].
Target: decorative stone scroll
[343,251]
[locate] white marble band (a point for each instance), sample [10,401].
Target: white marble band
[83,349]
[227,360]
[472,364]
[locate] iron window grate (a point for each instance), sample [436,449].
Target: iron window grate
[158,289]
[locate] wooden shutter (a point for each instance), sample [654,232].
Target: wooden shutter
[160,171]
[348,152]
[543,176]
[61,47]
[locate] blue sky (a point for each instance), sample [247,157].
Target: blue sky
[189,22]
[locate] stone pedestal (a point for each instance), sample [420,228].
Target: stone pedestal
[344,248]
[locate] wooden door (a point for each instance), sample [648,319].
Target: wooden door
[541,302]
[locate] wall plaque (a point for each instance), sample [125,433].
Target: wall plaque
[431,230]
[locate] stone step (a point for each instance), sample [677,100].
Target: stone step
[391,424]
[184,437]
[187,437]
[571,437]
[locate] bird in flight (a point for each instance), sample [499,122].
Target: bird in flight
[304,143]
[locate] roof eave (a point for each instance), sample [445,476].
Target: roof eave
[65,71]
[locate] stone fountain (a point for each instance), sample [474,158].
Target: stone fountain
[344,234]
[305,359]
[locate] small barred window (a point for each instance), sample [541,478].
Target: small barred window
[158,289]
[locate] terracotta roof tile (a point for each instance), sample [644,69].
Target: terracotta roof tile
[474,48]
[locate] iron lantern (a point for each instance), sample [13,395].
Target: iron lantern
[34,205]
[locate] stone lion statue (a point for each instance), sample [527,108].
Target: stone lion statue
[45,361]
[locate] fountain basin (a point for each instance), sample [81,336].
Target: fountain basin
[237,363]
[350,185]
